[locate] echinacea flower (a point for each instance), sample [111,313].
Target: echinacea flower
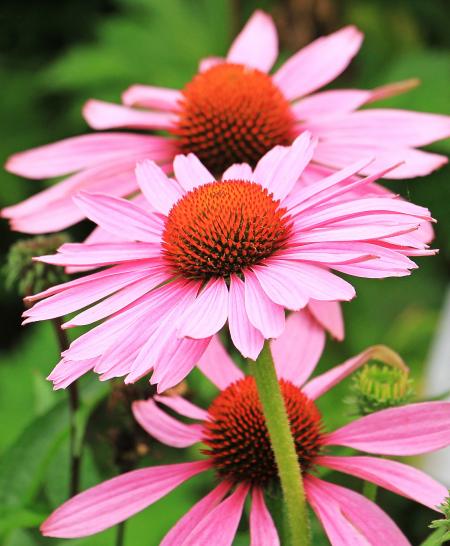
[237,448]
[242,249]
[232,111]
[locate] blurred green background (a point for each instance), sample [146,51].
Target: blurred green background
[53,57]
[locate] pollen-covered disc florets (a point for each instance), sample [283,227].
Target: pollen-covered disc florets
[233,114]
[237,437]
[221,227]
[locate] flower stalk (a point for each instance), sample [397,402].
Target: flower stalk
[283,447]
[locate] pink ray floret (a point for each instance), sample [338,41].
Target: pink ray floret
[347,517]
[104,162]
[204,253]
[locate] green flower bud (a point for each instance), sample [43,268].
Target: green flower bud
[27,276]
[379,386]
[443,523]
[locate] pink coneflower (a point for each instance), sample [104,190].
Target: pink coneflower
[241,249]
[236,447]
[232,111]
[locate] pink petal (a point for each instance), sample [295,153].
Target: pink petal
[116,500]
[209,62]
[148,96]
[318,63]
[324,382]
[208,313]
[220,525]
[281,285]
[337,154]
[164,428]
[297,351]
[66,372]
[332,102]
[218,366]
[325,252]
[159,190]
[238,171]
[397,477]
[257,43]
[407,430]
[393,89]
[329,315]
[81,295]
[263,313]
[182,406]
[120,217]
[317,282]
[279,169]
[262,529]
[105,115]
[101,254]
[349,518]
[80,152]
[190,172]
[391,127]
[178,534]
[246,338]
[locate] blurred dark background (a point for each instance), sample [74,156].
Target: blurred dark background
[56,55]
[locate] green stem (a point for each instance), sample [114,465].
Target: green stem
[370,490]
[74,404]
[120,533]
[283,447]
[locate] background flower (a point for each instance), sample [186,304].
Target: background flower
[232,112]
[238,450]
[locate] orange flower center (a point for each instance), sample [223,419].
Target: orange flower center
[233,114]
[237,437]
[222,227]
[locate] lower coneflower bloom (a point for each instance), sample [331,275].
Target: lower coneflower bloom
[241,249]
[232,111]
[237,449]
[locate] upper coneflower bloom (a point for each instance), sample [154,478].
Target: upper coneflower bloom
[232,111]
[242,249]
[237,448]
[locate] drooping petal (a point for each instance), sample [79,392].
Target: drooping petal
[324,382]
[208,313]
[80,152]
[105,115]
[116,500]
[389,126]
[318,63]
[246,338]
[218,366]
[263,313]
[257,43]
[280,285]
[67,371]
[262,529]
[164,428]
[190,172]
[149,96]
[338,154]
[349,518]
[298,349]
[329,315]
[219,526]
[397,477]
[407,430]
[209,62]
[177,535]
[120,217]
[182,406]
[331,102]
[160,191]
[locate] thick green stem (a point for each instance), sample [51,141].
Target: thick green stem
[283,447]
